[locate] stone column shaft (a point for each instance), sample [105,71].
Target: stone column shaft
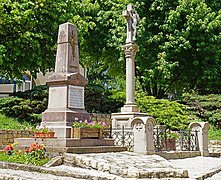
[130,52]
[130,85]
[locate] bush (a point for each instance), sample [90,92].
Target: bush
[169,113]
[27,105]
[205,108]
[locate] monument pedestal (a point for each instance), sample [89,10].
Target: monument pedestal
[125,118]
[65,103]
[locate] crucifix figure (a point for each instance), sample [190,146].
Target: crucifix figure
[132,18]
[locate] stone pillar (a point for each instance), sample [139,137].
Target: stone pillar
[130,49]
[66,85]
[130,52]
[143,134]
[202,133]
[130,110]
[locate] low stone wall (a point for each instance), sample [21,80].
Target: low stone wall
[178,154]
[7,136]
[214,146]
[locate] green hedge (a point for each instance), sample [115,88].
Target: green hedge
[169,113]
[27,106]
[205,108]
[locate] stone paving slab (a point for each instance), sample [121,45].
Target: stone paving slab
[9,174]
[199,167]
[127,164]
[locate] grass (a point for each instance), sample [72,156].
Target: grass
[214,134]
[12,123]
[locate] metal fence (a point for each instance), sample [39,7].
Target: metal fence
[167,140]
[122,136]
[164,139]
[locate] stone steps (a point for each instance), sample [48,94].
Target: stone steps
[95,149]
[127,165]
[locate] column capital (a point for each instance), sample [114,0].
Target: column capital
[130,50]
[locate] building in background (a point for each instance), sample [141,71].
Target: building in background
[8,86]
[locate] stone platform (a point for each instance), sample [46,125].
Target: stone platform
[57,146]
[65,142]
[127,165]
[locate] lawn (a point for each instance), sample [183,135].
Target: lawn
[12,123]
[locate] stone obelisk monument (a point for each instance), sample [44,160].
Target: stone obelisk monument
[129,110]
[66,85]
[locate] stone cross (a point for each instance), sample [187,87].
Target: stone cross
[130,49]
[132,18]
[67,58]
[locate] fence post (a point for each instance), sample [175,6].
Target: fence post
[143,134]
[202,136]
[123,136]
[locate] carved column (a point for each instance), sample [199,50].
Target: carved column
[130,52]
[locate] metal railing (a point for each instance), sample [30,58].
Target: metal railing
[122,136]
[183,140]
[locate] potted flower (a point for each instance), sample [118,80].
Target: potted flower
[85,129]
[43,131]
[169,141]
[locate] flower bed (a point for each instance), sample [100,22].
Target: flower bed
[34,154]
[87,133]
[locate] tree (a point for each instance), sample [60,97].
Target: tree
[28,32]
[181,48]
[179,41]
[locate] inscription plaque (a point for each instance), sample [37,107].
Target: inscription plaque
[76,97]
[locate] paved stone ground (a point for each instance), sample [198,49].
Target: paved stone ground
[127,164]
[197,168]
[215,177]
[25,175]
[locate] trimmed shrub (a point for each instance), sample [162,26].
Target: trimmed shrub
[169,113]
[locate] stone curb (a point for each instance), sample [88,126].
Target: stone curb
[39,169]
[208,173]
[56,172]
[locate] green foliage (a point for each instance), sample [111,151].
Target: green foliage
[12,123]
[165,112]
[205,108]
[181,48]
[29,28]
[26,106]
[102,94]
[179,41]
[214,134]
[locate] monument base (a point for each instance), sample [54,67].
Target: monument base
[61,120]
[125,118]
[130,108]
